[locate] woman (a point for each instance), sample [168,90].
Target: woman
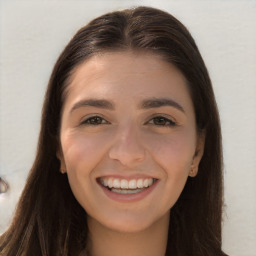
[129,158]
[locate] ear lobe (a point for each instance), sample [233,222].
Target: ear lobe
[193,171]
[198,154]
[59,155]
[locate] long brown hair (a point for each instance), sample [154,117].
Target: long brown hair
[49,220]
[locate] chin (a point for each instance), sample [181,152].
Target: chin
[129,227]
[129,223]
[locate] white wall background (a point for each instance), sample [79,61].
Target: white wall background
[32,34]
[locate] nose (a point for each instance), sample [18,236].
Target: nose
[127,147]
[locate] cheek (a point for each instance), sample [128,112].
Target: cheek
[174,156]
[82,153]
[174,151]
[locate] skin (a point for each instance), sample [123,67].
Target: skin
[128,141]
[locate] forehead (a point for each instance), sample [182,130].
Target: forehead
[137,75]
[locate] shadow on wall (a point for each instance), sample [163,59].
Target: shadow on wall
[3,186]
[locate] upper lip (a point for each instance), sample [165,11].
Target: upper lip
[128,177]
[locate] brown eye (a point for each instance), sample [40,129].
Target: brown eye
[161,121]
[94,120]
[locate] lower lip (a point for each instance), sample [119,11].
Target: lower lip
[129,197]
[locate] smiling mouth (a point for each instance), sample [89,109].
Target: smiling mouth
[124,186]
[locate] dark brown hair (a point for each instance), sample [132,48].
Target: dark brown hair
[49,220]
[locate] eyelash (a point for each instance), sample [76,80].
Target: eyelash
[93,121]
[98,120]
[167,122]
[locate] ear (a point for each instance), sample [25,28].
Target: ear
[59,155]
[198,154]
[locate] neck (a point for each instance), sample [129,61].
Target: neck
[149,242]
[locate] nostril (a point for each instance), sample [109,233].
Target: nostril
[127,154]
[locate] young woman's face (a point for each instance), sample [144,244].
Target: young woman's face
[128,139]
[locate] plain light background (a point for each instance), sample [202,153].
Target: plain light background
[32,35]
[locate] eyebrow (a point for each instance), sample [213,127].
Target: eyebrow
[98,103]
[162,102]
[146,104]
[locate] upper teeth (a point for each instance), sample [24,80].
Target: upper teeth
[126,184]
